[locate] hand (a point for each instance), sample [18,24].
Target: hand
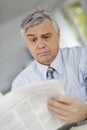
[68,108]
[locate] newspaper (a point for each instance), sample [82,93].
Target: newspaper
[82,127]
[26,108]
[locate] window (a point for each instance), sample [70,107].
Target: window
[76,16]
[79,17]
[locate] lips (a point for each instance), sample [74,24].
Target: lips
[43,53]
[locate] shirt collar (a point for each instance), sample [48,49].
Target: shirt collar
[42,68]
[56,64]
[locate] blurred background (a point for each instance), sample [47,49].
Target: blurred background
[14,55]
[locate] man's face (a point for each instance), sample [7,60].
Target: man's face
[43,41]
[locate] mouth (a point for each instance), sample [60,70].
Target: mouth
[43,54]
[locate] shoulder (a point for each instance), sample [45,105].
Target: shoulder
[28,69]
[74,52]
[74,57]
[24,76]
[75,49]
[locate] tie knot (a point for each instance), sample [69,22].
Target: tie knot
[50,72]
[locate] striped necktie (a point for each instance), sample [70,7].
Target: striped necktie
[50,72]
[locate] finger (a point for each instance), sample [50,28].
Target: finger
[58,111]
[58,105]
[61,117]
[65,99]
[66,119]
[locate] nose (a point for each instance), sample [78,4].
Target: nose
[40,43]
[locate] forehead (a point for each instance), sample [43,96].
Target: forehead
[44,27]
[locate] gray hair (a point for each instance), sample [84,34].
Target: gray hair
[35,17]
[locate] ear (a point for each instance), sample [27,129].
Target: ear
[58,34]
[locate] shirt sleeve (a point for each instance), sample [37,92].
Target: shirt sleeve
[83,68]
[83,64]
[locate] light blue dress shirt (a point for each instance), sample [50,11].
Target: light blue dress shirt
[71,69]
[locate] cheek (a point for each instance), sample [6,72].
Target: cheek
[54,45]
[32,50]
[55,48]
[30,47]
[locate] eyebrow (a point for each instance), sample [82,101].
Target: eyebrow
[30,34]
[45,34]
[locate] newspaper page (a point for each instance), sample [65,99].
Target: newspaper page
[26,108]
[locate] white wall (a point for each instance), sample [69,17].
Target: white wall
[13,57]
[67,38]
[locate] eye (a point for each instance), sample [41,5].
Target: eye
[32,39]
[46,37]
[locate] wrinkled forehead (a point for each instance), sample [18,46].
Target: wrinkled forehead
[46,26]
[36,23]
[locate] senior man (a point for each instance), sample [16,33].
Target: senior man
[42,35]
